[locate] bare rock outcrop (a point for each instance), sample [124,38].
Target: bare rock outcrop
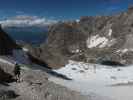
[34,85]
[91,39]
[7,44]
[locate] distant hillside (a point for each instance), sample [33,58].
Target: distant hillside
[35,35]
[7,44]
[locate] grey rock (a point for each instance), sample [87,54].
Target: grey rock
[35,85]
[68,40]
[7,44]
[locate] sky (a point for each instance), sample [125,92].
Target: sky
[61,9]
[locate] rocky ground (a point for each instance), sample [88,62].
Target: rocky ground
[88,80]
[34,85]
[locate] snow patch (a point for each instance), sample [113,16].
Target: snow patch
[115,83]
[94,41]
[81,71]
[110,32]
[25,49]
[97,41]
[124,50]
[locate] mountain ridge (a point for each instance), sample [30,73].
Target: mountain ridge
[91,39]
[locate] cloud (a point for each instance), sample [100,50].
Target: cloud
[24,20]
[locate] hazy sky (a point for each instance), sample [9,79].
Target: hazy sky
[61,9]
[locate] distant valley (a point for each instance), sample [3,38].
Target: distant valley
[32,34]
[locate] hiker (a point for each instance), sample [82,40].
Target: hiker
[17,70]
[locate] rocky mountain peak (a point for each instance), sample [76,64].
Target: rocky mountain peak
[130,7]
[92,39]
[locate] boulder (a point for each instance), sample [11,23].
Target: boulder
[6,72]
[5,77]
[7,67]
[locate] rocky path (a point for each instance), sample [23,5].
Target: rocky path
[9,61]
[37,87]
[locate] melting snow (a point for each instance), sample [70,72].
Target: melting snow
[94,78]
[97,41]
[84,71]
[124,50]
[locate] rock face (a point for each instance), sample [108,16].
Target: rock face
[6,43]
[64,39]
[6,71]
[92,39]
[5,77]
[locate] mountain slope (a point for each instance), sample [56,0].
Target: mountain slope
[6,43]
[92,39]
